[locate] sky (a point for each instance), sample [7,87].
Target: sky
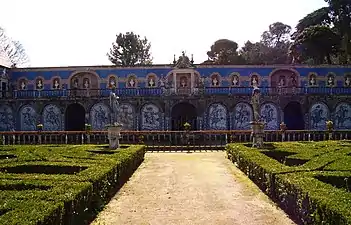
[81,32]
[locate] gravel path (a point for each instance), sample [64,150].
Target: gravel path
[196,188]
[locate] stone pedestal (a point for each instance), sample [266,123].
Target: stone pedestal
[257,134]
[114,134]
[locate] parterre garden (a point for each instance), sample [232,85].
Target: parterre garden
[311,181]
[63,184]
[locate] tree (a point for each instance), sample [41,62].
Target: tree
[277,34]
[254,53]
[318,43]
[14,50]
[272,48]
[337,17]
[130,50]
[224,52]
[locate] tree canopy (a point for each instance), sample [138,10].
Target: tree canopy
[330,26]
[321,37]
[14,50]
[130,49]
[271,49]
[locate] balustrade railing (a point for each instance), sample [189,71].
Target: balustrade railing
[81,93]
[166,138]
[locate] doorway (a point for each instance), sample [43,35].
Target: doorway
[75,117]
[184,113]
[293,116]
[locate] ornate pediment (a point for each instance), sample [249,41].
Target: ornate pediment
[183,62]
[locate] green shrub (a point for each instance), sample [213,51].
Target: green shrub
[32,192]
[316,191]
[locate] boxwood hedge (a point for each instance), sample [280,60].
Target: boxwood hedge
[311,181]
[64,184]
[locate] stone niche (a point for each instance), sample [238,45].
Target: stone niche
[284,78]
[84,84]
[184,81]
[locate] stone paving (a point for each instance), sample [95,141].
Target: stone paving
[190,188]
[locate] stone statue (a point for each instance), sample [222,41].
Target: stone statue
[255,101]
[114,107]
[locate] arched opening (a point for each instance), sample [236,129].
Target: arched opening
[84,84]
[293,116]
[75,117]
[285,79]
[182,113]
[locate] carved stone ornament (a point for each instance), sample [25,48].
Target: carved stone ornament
[183,62]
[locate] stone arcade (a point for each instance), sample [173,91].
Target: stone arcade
[163,97]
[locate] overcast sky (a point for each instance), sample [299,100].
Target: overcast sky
[78,33]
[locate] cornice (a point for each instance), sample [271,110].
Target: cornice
[169,67]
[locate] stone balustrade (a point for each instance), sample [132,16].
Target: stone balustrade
[125,92]
[166,138]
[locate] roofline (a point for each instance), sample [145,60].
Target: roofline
[169,66]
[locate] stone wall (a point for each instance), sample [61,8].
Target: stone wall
[213,113]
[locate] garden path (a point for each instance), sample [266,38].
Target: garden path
[197,188]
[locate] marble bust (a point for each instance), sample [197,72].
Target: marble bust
[23,85]
[235,80]
[131,82]
[56,84]
[151,82]
[313,81]
[39,84]
[86,83]
[215,81]
[254,82]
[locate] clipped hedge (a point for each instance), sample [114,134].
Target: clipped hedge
[32,192]
[313,191]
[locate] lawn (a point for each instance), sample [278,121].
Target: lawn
[311,181]
[61,184]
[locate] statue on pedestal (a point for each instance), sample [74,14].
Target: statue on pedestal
[114,107]
[255,101]
[114,130]
[257,125]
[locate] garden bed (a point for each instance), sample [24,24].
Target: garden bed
[309,180]
[65,184]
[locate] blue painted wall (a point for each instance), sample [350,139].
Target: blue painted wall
[64,73]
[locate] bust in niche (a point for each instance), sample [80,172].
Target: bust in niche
[254,81]
[151,82]
[235,81]
[347,81]
[330,80]
[23,85]
[75,84]
[183,82]
[215,81]
[86,83]
[293,81]
[131,82]
[281,81]
[112,82]
[313,81]
[56,84]
[40,84]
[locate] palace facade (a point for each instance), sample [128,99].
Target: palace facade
[163,97]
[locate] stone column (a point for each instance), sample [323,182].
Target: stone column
[174,83]
[192,80]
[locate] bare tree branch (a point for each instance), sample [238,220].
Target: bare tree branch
[14,50]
